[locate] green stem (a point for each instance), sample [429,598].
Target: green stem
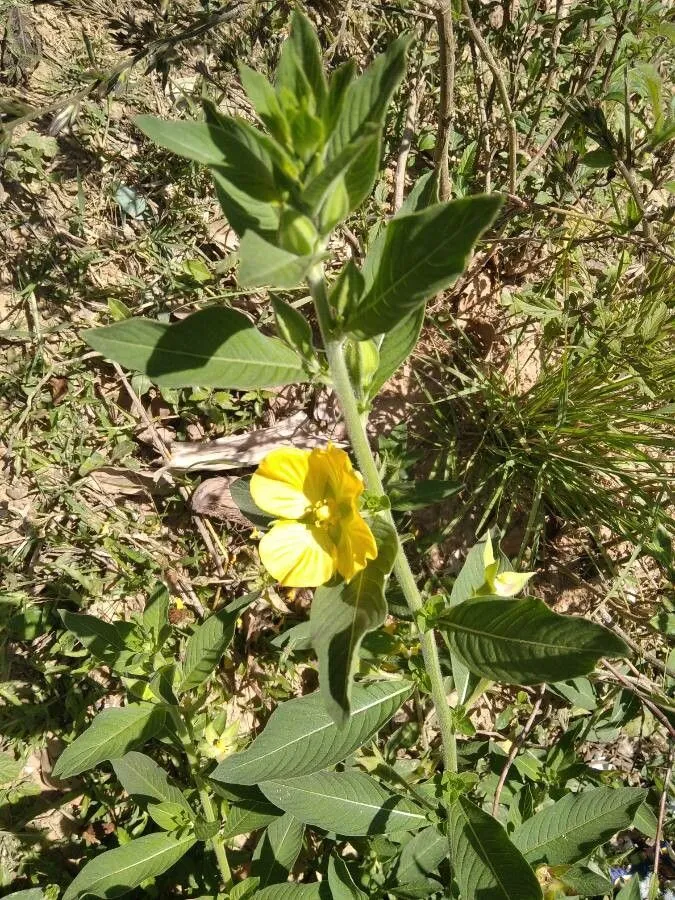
[371,476]
[185,734]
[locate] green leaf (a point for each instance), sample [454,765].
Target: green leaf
[208,642]
[294,329]
[215,347]
[112,733]
[630,890]
[10,769]
[156,615]
[29,894]
[290,892]
[277,850]
[340,881]
[240,491]
[300,65]
[585,882]
[572,828]
[249,815]
[342,614]
[364,107]
[484,861]
[396,346]
[521,641]
[349,803]
[353,165]
[245,213]
[423,253]
[143,779]
[118,871]
[263,264]
[598,159]
[93,633]
[420,857]
[407,495]
[232,146]
[300,737]
[264,99]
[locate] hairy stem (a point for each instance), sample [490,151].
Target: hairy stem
[184,733]
[366,462]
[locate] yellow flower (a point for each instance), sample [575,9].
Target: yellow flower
[318,530]
[504,584]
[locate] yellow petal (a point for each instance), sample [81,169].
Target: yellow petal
[298,555]
[279,483]
[356,546]
[508,584]
[332,475]
[488,553]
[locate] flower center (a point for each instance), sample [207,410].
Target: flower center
[324,513]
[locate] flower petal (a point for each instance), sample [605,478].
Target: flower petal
[356,546]
[332,475]
[278,484]
[508,584]
[298,555]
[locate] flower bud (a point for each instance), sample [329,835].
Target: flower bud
[297,233]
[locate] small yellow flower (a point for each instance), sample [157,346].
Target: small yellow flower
[503,584]
[318,530]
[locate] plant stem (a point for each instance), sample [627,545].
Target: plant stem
[184,733]
[364,456]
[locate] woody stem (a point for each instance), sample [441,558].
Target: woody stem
[334,347]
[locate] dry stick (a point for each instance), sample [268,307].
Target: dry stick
[484,130]
[501,88]
[183,491]
[560,124]
[406,142]
[652,707]
[654,884]
[446,43]
[517,745]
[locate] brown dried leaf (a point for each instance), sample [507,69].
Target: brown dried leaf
[243,450]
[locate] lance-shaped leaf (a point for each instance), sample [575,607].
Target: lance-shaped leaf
[342,615]
[156,615]
[118,871]
[300,737]
[300,68]
[523,642]
[277,850]
[340,881]
[364,107]
[290,892]
[572,828]
[216,347]
[397,344]
[349,803]
[352,165]
[143,779]
[423,253]
[208,642]
[484,861]
[420,858]
[233,146]
[264,264]
[112,733]
[104,640]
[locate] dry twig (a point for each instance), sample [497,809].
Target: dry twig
[517,745]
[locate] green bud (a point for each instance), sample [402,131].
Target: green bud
[346,291]
[335,207]
[294,328]
[363,360]
[297,233]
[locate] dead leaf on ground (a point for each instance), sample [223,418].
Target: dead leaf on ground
[120,482]
[243,450]
[213,498]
